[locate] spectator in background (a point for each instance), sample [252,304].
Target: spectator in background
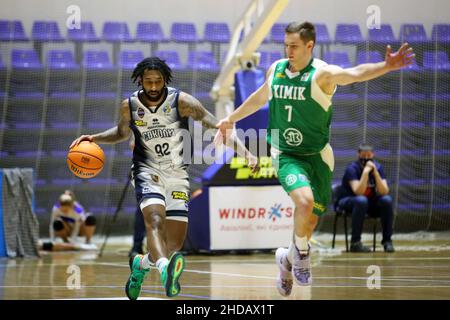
[69,220]
[365,191]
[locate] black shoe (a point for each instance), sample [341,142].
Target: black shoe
[388,246]
[358,247]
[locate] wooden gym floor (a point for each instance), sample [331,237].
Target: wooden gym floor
[409,273]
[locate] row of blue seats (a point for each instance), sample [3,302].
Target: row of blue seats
[347,33]
[100,60]
[200,60]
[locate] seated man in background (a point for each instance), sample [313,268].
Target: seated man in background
[69,220]
[365,191]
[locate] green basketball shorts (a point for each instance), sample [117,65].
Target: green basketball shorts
[314,171]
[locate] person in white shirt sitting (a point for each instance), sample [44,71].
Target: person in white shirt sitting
[69,220]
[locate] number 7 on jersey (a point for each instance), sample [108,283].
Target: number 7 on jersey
[289,109]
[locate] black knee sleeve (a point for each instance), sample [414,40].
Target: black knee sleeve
[58,225]
[90,221]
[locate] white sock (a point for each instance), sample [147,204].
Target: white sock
[161,263]
[146,263]
[301,243]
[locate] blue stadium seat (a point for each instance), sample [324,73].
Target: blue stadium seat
[64,81]
[441,33]
[61,59]
[86,33]
[413,33]
[322,34]
[384,35]
[149,32]
[217,32]
[25,59]
[368,57]
[267,58]
[202,60]
[348,34]
[94,59]
[277,32]
[436,60]
[12,31]
[339,58]
[128,59]
[413,67]
[101,76]
[171,57]
[116,32]
[183,32]
[26,65]
[46,31]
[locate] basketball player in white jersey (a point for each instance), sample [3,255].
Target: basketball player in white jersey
[157,115]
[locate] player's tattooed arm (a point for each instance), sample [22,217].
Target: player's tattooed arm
[191,107]
[116,134]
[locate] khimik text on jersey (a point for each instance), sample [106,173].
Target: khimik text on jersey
[288,92]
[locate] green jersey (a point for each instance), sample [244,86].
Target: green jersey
[299,109]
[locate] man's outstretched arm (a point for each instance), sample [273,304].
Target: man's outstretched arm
[331,75]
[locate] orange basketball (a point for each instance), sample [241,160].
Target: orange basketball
[86,159]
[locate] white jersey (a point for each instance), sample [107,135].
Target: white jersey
[159,132]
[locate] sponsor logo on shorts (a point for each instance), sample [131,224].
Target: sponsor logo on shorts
[293,137]
[140,112]
[155,178]
[140,123]
[179,195]
[146,190]
[291,179]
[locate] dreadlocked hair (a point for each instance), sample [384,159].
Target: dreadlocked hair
[152,63]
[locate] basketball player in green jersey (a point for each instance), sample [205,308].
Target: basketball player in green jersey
[299,90]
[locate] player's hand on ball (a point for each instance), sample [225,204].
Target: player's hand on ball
[84,137]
